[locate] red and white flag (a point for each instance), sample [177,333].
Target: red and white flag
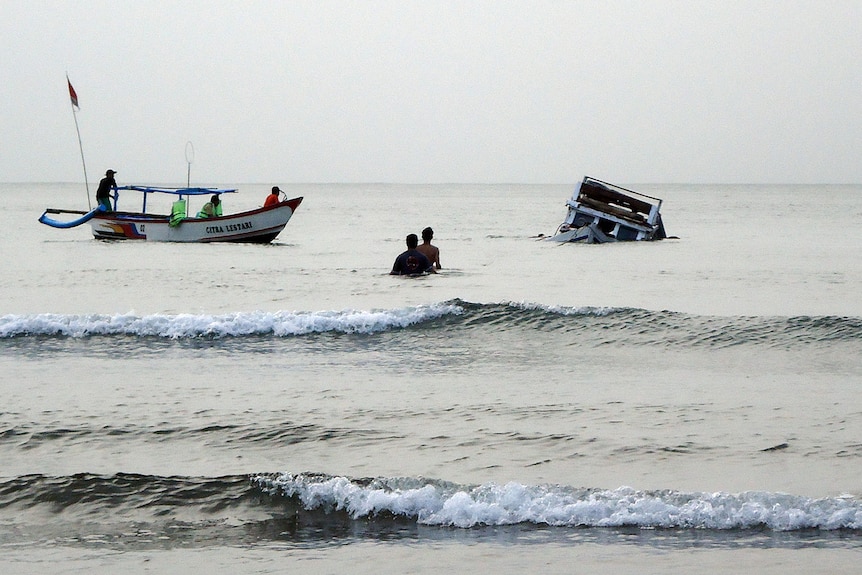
[72,94]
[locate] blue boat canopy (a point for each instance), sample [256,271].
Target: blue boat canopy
[178,191]
[175,191]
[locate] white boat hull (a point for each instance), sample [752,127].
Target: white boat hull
[588,234]
[256,226]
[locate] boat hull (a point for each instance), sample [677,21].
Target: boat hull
[255,226]
[588,234]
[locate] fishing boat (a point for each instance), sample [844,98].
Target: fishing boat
[599,212]
[261,225]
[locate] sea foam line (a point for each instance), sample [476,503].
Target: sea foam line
[491,504]
[279,323]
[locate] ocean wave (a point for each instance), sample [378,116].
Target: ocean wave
[598,326]
[128,511]
[442,504]
[279,324]
[242,499]
[27,435]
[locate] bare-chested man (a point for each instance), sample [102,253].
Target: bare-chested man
[429,251]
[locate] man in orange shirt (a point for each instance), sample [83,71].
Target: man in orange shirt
[272,198]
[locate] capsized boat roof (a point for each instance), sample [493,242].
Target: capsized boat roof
[178,191]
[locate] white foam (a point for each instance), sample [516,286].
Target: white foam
[279,323]
[563,310]
[433,503]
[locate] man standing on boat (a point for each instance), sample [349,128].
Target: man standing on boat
[103,194]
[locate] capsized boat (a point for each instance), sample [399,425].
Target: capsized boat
[600,212]
[261,225]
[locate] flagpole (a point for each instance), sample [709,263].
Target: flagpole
[74,101]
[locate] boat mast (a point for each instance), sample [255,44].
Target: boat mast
[190,157]
[73,97]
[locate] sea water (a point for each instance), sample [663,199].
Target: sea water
[689,404]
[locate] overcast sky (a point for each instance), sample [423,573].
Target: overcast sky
[640,91]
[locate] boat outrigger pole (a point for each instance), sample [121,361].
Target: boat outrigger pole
[73,96]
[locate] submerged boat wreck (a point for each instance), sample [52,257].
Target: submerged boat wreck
[599,212]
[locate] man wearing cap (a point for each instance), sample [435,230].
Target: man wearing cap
[272,198]
[103,194]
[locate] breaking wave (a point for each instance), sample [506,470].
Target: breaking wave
[604,325]
[437,503]
[166,503]
[279,324]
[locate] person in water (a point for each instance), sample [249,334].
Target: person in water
[212,208]
[429,251]
[272,198]
[412,262]
[103,193]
